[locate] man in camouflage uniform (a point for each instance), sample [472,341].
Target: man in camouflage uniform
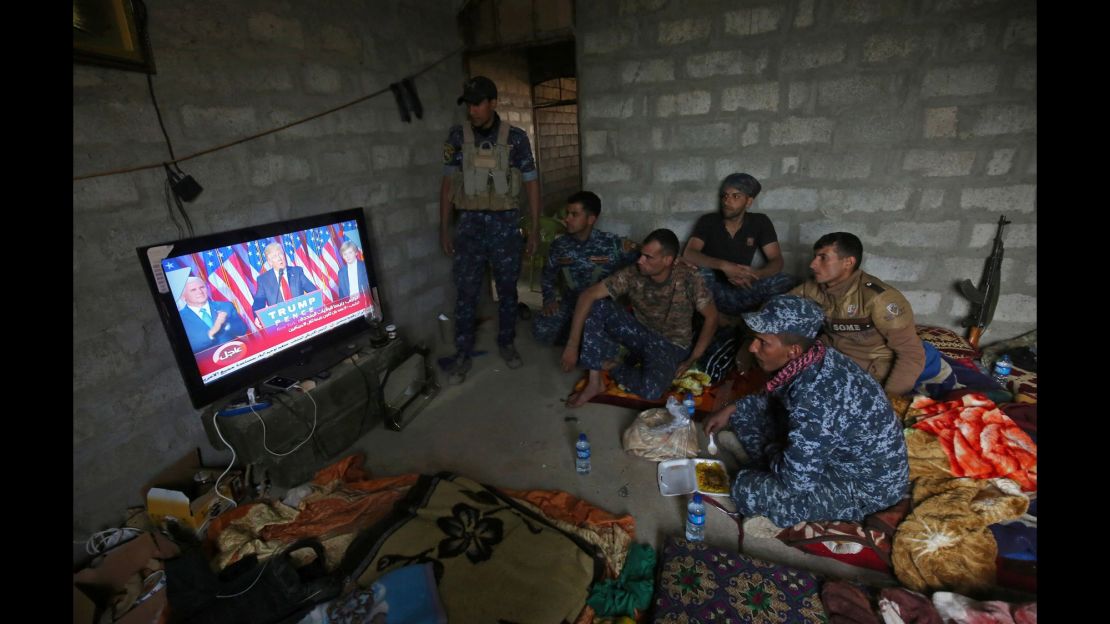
[866,319]
[723,245]
[580,258]
[664,296]
[485,164]
[821,438]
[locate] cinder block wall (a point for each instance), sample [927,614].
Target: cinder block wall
[227,70]
[912,123]
[558,143]
[509,71]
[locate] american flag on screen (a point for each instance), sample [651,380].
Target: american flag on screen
[255,256]
[324,256]
[226,273]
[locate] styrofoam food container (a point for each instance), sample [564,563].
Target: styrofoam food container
[679,476]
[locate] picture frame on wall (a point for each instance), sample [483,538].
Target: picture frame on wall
[112,33]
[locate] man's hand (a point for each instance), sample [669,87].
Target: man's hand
[687,262]
[719,419]
[683,366]
[221,316]
[570,357]
[739,274]
[446,243]
[549,308]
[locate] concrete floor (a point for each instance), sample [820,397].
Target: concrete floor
[509,428]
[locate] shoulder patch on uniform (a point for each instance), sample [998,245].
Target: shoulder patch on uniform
[875,287]
[894,309]
[448,153]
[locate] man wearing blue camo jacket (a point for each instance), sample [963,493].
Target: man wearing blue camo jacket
[486,163]
[822,440]
[580,258]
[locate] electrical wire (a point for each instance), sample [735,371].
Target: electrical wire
[299,444]
[169,209]
[260,134]
[158,112]
[216,426]
[266,563]
[108,539]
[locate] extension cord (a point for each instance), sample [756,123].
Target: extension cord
[236,409]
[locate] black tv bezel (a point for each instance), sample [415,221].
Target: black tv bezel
[201,394]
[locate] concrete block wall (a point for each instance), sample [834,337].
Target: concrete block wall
[912,123]
[227,70]
[558,151]
[509,71]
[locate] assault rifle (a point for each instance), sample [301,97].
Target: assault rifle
[985,298]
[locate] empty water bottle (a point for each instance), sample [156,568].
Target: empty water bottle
[695,519]
[690,405]
[1002,369]
[582,452]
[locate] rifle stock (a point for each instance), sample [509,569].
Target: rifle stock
[984,299]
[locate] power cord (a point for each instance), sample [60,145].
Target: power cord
[299,444]
[216,426]
[105,540]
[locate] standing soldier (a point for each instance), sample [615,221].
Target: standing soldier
[485,164]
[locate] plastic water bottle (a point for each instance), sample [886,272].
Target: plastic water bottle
[689,403]
[582,449]
[695,519]
[1002,369]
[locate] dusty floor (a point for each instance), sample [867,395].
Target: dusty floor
[510,428]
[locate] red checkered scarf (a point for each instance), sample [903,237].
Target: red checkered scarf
[813,355]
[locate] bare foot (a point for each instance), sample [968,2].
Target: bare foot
[593,388]
[609,365]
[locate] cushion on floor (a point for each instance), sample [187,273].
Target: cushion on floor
[947,342]
[701,583]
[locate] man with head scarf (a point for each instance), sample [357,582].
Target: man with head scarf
[821,438]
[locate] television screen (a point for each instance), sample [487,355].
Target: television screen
[239,306]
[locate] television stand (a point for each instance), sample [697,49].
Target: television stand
[388,385]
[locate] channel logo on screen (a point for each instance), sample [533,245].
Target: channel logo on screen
[229,352]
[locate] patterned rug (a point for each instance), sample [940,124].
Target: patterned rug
[494,559]
[699,583]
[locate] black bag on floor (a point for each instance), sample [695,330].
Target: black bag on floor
[248,592]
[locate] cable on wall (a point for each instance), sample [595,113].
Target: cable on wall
[407,101]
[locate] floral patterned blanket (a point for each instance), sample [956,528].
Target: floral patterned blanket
[699,583]
[494,558]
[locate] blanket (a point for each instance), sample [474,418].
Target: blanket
[700,583]
[945,542]
[494,559]
[979,440]
[713,397]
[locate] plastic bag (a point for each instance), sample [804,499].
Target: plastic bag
[659,434]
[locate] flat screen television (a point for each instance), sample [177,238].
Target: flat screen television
[240,306]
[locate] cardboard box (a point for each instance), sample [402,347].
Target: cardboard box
[94,589]
[175,493]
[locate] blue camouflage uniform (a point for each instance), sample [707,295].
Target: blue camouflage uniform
[483,236]
[579,264]
[734,300]
[823,445]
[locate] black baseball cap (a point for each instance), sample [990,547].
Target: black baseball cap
[477,89]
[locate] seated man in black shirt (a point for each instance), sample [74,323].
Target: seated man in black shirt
[724,243]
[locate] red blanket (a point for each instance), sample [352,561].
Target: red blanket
[980,440]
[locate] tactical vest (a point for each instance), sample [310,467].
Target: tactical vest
[487,181]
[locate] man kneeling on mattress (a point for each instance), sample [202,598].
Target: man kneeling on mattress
[822,440]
